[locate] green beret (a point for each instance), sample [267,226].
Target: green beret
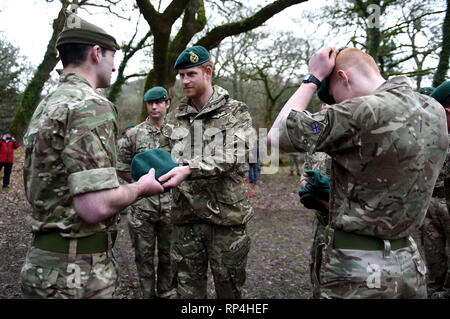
[317,187]
[156,158]
[157,93]
[426,90]
[323,93]
[441,92]
[191,57]
[129,126]
[77,30]
[6,132]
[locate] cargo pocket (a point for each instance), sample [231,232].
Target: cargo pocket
[38,282]
[235,261]
[231,204]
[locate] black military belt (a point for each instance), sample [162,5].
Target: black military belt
[345,240]
[54,242]
[439,192]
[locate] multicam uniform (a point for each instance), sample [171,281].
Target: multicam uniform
[294,161]
[387,149]
[211,208]
[436,238]
[70,149]
[321,162]
[149,219]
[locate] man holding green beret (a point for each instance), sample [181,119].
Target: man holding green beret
[206,133]
[70,174]
[387,144]
[149,217]
[436,225]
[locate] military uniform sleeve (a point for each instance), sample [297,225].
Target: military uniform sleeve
[236,148]
[300,131]
[124,154]
[90,148]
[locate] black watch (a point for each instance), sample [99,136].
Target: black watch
[309,78]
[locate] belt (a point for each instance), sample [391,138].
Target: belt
[345,240]
[54,242]
[439,192]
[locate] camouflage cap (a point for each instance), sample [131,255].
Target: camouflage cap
[157,93]
[323,93]
[426,90]
[77,30]
[441,92]
[191,57]
[156,158]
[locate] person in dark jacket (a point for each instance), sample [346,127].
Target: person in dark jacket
[7,146]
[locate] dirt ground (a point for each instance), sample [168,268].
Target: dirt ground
[277,268]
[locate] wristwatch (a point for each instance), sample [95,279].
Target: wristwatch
[309,78]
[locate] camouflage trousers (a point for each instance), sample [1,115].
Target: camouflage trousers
[224,247]
[318,241]
[367,274]
[50,275]
[435,233]
[147,238]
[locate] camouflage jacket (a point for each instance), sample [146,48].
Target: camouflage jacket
[137,140]
[70,149]
[387,150]
[318,161]
[214,143]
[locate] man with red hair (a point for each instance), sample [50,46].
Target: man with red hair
[387,144]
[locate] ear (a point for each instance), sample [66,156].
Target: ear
[168,104]
[209,71]
[95,53]
[343,76]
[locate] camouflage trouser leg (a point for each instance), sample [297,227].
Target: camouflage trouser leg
[318,242]
[144,237]
[348,273]
[226,249]
[436,246]
[49,275]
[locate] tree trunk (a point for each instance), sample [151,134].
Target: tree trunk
[442,69]
[32,94]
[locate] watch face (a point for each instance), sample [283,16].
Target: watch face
[306,78]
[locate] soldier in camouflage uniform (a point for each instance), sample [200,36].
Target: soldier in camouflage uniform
[436,226]
[149,218]
[206,133]
[320,162]
[70,176]
[294,162]
[387,145]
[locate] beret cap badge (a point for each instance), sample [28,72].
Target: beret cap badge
[193,57]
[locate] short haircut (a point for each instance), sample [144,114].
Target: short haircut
[206,64]
[75,54]
[356,58]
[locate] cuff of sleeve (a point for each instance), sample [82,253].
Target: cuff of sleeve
[123,167]
[93,180]
[195,170]
[284,141]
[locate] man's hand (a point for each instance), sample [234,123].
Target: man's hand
[322,62]
[175,176]
[149,184]
[304,180]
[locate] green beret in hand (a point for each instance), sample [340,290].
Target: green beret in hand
[156,158]
[317,188]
